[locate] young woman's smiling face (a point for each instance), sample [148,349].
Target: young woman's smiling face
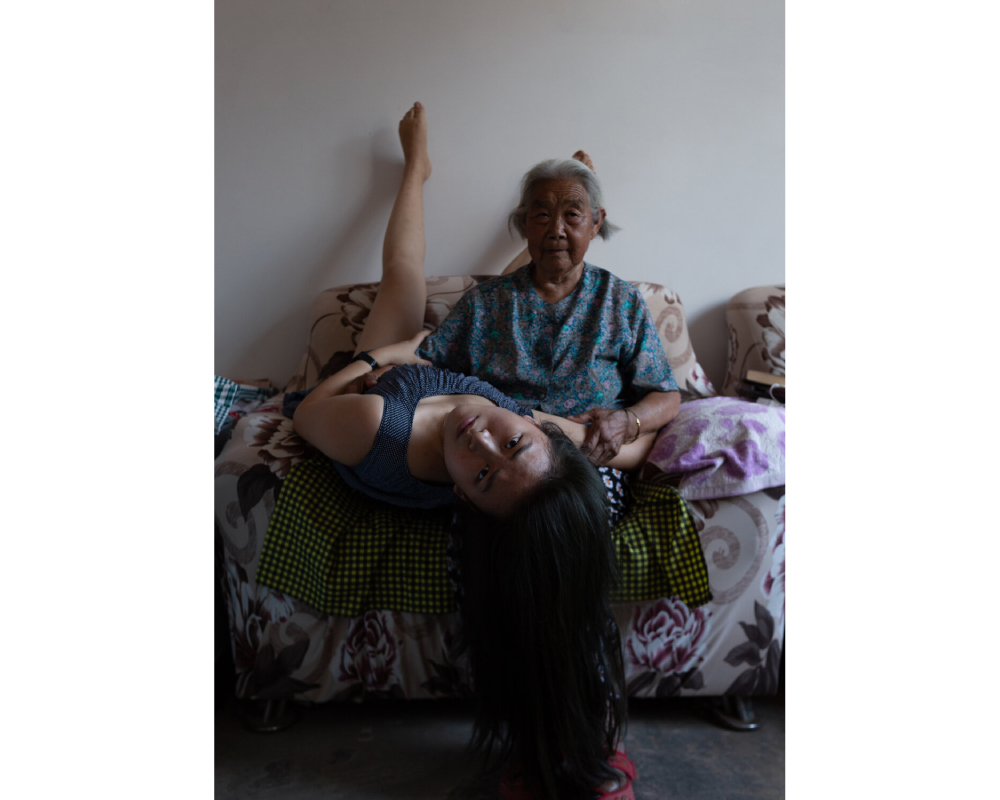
[494,456]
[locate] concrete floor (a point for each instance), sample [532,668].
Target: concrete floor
[416,749]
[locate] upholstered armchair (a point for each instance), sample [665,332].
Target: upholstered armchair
[284,649]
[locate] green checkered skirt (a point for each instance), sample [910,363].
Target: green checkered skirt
[344,553]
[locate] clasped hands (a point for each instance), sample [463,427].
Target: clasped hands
[608,429]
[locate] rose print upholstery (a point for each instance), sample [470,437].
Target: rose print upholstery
[285,649]
[756,321]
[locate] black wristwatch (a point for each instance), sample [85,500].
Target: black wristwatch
[363,356]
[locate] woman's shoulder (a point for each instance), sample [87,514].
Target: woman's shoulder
[600,280]
[322,425]
[598,274]
[499,284]
[496,295]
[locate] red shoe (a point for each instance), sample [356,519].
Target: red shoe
[513,788]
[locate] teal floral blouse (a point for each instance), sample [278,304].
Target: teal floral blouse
[595,348]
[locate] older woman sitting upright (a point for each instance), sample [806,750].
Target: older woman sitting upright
[559,334]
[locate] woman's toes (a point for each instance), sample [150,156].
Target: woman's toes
[412,112]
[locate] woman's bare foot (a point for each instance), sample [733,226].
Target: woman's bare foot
[413,137]
[584,159]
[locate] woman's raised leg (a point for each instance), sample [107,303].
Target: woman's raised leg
[398,310]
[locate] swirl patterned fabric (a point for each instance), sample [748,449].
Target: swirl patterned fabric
[284,647]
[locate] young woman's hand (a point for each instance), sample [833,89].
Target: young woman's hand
[404,352]
[367,381]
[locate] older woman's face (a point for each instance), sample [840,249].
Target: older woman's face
[559,225]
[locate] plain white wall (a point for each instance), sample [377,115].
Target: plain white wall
[680,103]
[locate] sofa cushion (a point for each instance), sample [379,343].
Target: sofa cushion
[720,447]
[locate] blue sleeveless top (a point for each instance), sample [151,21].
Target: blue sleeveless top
[383,473]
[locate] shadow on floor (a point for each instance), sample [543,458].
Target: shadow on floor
[418,749]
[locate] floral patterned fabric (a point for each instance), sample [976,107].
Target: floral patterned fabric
[720,447]
[756,322]
[284,648]
[595,348]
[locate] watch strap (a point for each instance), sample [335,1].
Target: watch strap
[363,356]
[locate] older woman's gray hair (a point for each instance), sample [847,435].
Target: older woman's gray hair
[563,169]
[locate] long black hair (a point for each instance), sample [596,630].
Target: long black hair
[544,647]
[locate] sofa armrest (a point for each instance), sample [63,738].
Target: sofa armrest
[756,322]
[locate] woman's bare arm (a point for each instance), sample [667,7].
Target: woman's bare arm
[341,425]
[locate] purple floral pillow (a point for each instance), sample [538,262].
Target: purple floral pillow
[720,447]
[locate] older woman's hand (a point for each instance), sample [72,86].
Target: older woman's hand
[608,429]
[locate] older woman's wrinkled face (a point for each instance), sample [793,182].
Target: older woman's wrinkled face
[559,225]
